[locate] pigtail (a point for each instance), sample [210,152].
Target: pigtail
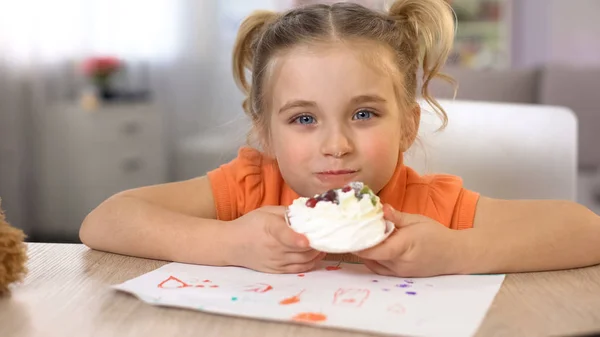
[248,37]
[428,29]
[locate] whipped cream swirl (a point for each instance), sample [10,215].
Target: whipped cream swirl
[353,224]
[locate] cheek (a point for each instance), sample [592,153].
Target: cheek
[382,141]
[380,158]
[380,151]
[290,148]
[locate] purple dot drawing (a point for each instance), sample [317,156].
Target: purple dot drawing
[403,285]
[411,293]
[409,281]
[385,289]
[375,281]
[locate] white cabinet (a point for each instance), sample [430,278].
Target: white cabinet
[85,157]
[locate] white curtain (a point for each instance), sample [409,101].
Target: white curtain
[41,46]
[47,32]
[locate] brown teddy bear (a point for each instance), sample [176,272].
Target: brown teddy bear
[13,254]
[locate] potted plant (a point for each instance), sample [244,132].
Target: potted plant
[100,70]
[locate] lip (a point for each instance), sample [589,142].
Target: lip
[336,172]
[336,177]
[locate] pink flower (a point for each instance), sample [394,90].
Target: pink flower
[101,66]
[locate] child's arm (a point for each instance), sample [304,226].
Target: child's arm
[167,222]
[508,236]
[516,236]
[176,222]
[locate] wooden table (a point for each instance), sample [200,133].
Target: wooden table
[67,294]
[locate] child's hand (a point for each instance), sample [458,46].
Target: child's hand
[420,247]
[266,243]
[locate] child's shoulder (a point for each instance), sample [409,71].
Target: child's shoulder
[249,157]
[250,168]
[436,188]
[249,181]
[442,197]
[247,162]
[431,180]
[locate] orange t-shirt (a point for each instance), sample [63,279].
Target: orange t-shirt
[253,180]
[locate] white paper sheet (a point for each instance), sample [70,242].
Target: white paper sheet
[345,296]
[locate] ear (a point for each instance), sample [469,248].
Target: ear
[410,127]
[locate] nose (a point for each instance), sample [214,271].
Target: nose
[337,142]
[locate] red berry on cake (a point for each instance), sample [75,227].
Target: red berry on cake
[312,202]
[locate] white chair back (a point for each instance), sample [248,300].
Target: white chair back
[507,151]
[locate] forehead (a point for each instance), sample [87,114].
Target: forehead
[340,70]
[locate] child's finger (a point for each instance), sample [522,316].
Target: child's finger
[299,258]
[281,232]
[378,268]
[389,249]
[302,267]
[277,210]
[400,219]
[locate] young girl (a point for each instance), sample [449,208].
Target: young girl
[332,98]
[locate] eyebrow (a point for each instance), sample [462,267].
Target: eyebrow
[367,99]
[297,104]
[310,104]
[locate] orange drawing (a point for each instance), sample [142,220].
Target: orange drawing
[172,283]
[397,308]
[291,300]
[350,297]
[259,288]
[332,268]
[309,317]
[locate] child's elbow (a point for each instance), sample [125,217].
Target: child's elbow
[93,224]
[590,228]
[586,214]
[85,230]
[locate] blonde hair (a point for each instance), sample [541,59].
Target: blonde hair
[419,32]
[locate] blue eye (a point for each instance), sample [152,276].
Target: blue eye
[363,115]
[304,119]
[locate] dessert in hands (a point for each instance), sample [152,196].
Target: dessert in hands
[343,220]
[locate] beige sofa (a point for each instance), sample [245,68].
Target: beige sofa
[577,89]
